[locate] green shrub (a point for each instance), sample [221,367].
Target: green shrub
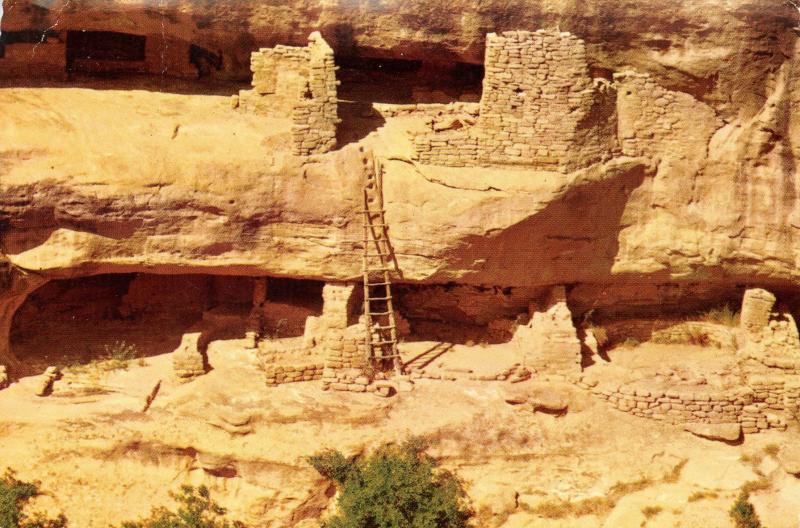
[13,496]
[332,465]
[743,513]
[394,487]
[196,510]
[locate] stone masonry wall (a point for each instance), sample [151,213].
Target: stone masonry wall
[300,84]
[279,75]
[341,345]
[748,406]
[315,116]
[539,108]
[653,119]
[550,341]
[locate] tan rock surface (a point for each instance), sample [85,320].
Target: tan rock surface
[154,175]
[104,449]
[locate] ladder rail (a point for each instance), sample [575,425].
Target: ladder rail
[375,237]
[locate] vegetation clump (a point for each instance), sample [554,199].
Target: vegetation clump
[394,487]
[743,513]
[196,509]
[724,315]
[702,495]
[14,494]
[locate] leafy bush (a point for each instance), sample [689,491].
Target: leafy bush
[196,510]
[13,496]
[743,513]
[395,487]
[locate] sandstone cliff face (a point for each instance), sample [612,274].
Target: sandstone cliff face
[119,181]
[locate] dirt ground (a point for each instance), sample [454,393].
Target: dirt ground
[101,460]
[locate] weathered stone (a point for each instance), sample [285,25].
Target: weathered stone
[44,385]
[789,458]
[725,432]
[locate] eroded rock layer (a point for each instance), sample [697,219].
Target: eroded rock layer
[688,183]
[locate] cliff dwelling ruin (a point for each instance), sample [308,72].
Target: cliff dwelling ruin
[229,216]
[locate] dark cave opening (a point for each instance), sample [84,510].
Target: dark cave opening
[75,321]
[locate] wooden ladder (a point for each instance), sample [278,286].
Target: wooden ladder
[380,326]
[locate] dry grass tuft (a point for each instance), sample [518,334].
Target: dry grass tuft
[598,506]
[651,511]
[752,459]
[703,495]
[756,485]
[561,509]
[675,474]
[723,315]
[772,449]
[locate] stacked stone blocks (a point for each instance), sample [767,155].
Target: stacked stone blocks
[550,341]
[750,407]
[653,119]
[540,108]
[315,116]
[300,84]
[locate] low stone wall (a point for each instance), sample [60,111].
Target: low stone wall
[777,393]
[387,110]
[278,374]
[287,361]
[790,366]
[750,407]
[514,373]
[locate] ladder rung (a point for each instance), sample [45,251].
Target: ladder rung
[377,225]
[379,313]
[375,270]
[378,283]
[374,211]
[390,356]
[381,343]
[379,298]
[384,327]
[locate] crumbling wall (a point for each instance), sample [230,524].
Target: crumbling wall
[653,120]
[746,406]
[315,117]
[540,107]
[279,75]
[298,83]
[550,341]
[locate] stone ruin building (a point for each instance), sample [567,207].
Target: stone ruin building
[298,83]
[541,111]
[539,108]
